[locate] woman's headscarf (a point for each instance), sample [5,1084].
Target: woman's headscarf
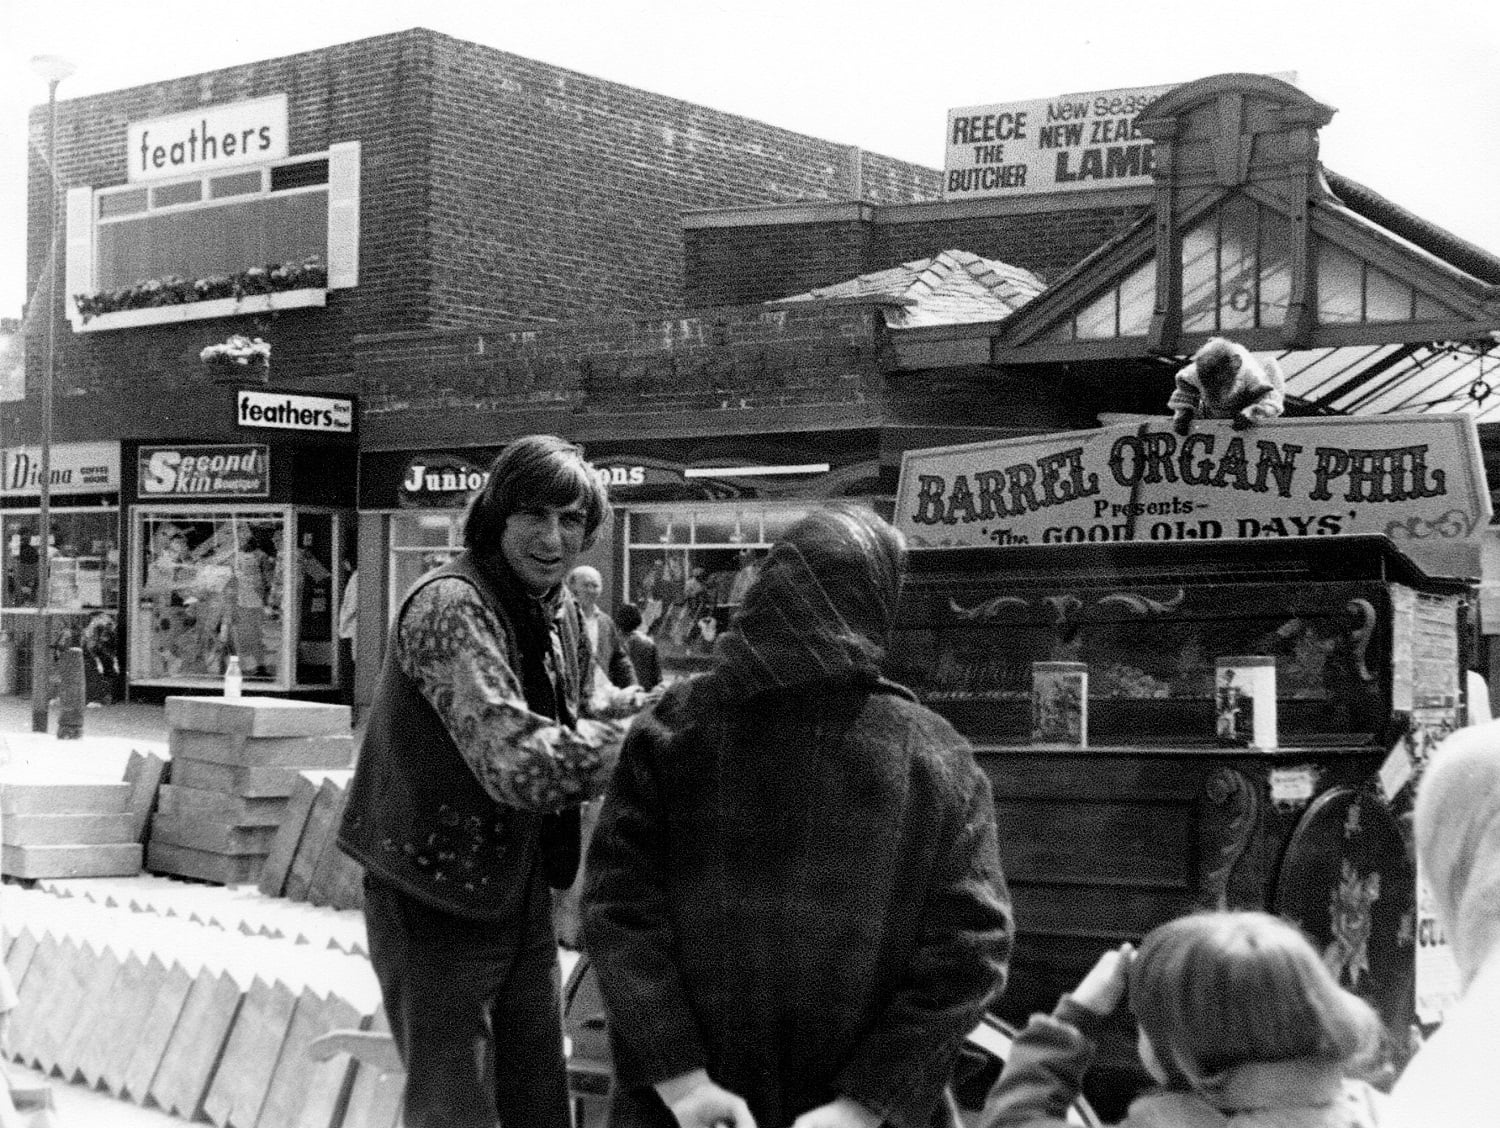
[1458,842]
[820,609]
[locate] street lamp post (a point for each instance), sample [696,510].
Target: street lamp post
[53,69]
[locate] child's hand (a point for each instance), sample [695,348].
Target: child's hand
[1104,986]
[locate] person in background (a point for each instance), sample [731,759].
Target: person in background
[1241,1025]
[463,809]
[1477,691]
[639,645]
[1453,1080]
[837,920]
[612,691]
[609,648]
[349,620]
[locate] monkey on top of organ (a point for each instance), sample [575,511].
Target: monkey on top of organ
[1224,381]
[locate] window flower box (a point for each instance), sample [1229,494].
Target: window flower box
[158,301]
[195,311]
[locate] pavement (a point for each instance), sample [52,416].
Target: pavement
[128,720]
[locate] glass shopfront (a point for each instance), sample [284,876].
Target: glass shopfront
[83,561]
[258,582]
[421,542]
[687,568]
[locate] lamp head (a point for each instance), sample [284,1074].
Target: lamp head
[52,68]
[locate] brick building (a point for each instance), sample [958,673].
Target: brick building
[745,405]
[401,184]
[812,314]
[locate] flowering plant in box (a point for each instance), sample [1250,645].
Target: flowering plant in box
[309,274]
[239,351]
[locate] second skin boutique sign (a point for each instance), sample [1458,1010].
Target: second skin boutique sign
[1418,479]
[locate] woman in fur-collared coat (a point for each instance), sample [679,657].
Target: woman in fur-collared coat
[794,899]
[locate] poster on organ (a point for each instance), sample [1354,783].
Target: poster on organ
[1071,143]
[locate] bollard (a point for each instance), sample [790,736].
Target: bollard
[70,694]
[7,664]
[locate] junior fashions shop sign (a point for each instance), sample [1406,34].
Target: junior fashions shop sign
[1418,479]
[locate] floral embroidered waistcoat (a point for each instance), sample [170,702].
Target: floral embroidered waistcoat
[417,818]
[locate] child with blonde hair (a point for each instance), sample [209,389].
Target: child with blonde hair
[1241,1026]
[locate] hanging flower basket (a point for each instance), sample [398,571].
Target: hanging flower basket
[239,357]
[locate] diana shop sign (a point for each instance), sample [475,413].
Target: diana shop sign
[286,411]
[1418,479]
[76,468]
[234,133]
[242,470]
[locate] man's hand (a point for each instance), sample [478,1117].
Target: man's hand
[697,1102]
[1104,986]
[841,1113]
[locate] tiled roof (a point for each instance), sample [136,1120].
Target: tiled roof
[951,288]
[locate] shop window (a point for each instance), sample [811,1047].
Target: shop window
[84,565]
[206,592]
[421,542]
[212,229]
[687,570]
[223,235]
[254,583]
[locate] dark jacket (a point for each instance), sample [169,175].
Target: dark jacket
[612,656]
[799,892]
[417,817]
[644,658]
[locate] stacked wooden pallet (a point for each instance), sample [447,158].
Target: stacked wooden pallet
[80,828]
[207,1024]
[235,764]
[305,863]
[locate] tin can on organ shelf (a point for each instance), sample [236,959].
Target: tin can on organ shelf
[1245,700]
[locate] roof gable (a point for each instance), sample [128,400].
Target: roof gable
[1248,239]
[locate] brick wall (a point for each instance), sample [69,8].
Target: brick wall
[494,189]
[1047,244]
[559,195]
[728,359]
[376,91]
[763,261]
[737,265]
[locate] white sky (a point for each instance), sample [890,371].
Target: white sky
[1417,85]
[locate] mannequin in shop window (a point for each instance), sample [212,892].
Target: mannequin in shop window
[253,570]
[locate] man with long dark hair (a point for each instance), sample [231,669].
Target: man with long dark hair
[464,804]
